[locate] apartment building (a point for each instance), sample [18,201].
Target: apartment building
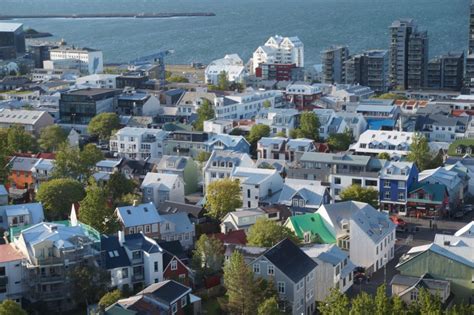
[138,143]
[373,142]
[232,65]
[333,60]
[446,71]
[86,60]
[279,50]
[370,68]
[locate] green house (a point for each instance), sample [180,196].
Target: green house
[449,258]
[310,228]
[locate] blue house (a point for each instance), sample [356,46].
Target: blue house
[227,142]
[396,178]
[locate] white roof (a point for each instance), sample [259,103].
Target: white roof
[20,116]
[311,191]
[160,180]
[396,170]
[253,176]
[440,175]
[137,132]
[9,27]
[466,231]
[381,140]
[141,214]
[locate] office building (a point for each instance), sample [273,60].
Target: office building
[333,64]
[86,60]
[12,40]
[446,71]
[369,69]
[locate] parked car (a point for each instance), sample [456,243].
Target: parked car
[399,222]
[459,215]
[467,208]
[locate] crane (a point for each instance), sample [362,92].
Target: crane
[157,58]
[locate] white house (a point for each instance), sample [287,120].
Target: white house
[330,122]
[218,126]
[241,219]
[138,143]
[159,187]
[100,81]
[85,60]
[368,235]
[335,269]
[221,163]
[373,142]
[21,215]
[11,287]
[281,50]
[257,184]
[231,64]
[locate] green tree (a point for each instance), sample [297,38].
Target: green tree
[382,302]
[267,104]
[269,307]
[383,156]
[363,303]
[428,303]
[241,289]
[280,134]
[19,140]
[335,303]
[58,195]
[74,163]
[203,156]
[51,137]
[437,160]
[4,156]
[110,298]
[391,96]
[119,185]
[204,112]
[177,79]
[208,255]
[398,307]
[96,212]
[103,124]
[9,307]
[309,127]
[255,134]
[89,283]
[127,199]
[223,81]
[222,197]
[420,152]
[266,233]
[340,141]
[362,194]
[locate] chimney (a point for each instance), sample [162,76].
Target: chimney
[135,202]
[121,237]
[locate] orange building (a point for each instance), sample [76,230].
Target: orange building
[21,176]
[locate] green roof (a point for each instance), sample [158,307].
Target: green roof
[438,191]
[312,222]
[460,142]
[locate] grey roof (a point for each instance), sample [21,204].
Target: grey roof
[21,116]
[416,282]
[33,209]
[172,162]
[181,222]
[139,241]
[228,140]
[376,108]
[108,163]
[18,163]
[252,176]
[267,141]
[338,158]
[166,291]
[310,191]
[169,207]
[445,120]
[163,181]
[141,214]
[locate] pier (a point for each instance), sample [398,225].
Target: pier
[104,15]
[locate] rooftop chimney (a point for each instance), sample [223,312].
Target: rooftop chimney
[135,202]
[121,237]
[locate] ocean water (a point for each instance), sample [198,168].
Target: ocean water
[241,25]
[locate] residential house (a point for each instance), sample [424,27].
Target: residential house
[185,143]
[295,286]
[457,252]
[135,169]
[231,65]
[227,142]
[378,111]
[408,288]
[241,219]
[280,148]
[279,50]
[51,251]
[138,143]
[355,122]
[367,234]
[33,121]
[461,147]
[221,164]
[334,271]
[374,142]
[11,275]
[195,213]
[184,167]
[160,187]
[280,120]
[191,101]
[177,227]
[428,200]
[21,175]
[330,122]
[139,218]
[137,103]
[166,297]
[396,181]
[20,215]
[303,95]
[257,184]
[218,126]
[42,171]
[444,128]
[310,228]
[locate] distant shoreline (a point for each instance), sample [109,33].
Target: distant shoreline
[105,15]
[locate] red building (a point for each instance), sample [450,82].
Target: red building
[428,200]
[174,269]
[275,71]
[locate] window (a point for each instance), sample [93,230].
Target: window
[386,184]
[270,270]
[256,269]
[184,301]
[414,295]
[174,308]
[281,287]
[174,265]
[401,196]
[156,266]
[401,184]
[2,271]
[337,180]
[124,273]
[338,270]
[387,195]
[147,229]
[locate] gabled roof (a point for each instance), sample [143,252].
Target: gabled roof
[253,176]
[314,224]
[34,209]
[181,222]
[114,254]
[310,191]
[161,181]
[174,248]
[166,291]
[228,140]
[169,207]
[290,260]
[141,214]
[139,241]
[436,191]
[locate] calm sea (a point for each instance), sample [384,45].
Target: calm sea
[241,25]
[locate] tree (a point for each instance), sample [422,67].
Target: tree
[382,302]
[398,307]
[103,124]
[428,303]
[9,307]
[363,194]
[223,81]
[391,96]
[4,156]
[255,134]
[309,125]
[127,199]
[269,307]
[19,140]
[266,233]
[51,137]
[420,152]
[57,196]
[110,298]
[119,185]
[437,160]
[89,283]
[238,280]
[335,303]
[340,141]
[203,156]
[363,303]
[280,134]
[208,255]
[383,156]
[73,163]
[267,104]
[222,197]
[204,112]
[96,212]
[177,79]
[265,289]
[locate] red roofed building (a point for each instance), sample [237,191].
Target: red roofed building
[237,237]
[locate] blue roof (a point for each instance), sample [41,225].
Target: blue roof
[377,124]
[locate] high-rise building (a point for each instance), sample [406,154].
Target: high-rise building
[333,60]
[12,40]
[417,60]
[279,50]
[369,69]
[471,29]
[469,75]
[446,71]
